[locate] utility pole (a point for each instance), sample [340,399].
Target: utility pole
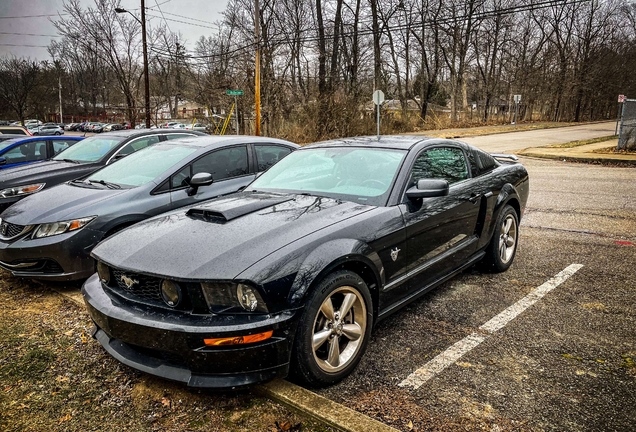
[59,82]
[257,68]
[145,48]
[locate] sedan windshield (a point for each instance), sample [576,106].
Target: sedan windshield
[363,175]
[142,166]
[90,149]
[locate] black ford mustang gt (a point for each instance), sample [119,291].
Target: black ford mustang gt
[293,272]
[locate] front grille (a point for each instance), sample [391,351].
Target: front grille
[137,285]
[9,230]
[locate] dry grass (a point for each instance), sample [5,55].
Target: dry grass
[54,377]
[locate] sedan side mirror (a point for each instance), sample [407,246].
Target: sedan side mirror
[198,180]
[3,161]
[427,188]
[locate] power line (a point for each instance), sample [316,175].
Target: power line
[182,22]
[28,34]
[32,16]
[20,45]
[164,18]
[187,17]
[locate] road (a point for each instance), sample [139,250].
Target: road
[512,141]
[568,362]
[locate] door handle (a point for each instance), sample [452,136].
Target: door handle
[474,197]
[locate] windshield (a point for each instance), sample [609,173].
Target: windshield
[89,149]
[363,175]
[142,166]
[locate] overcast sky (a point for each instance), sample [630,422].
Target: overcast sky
[30,25]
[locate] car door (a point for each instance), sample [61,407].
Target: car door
[58,145]
[440,231]
[269,154]
[26,152]
[134,145]
[229,168]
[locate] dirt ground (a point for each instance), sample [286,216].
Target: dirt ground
[55,377]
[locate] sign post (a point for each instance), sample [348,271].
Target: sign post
[517,101]
[235,93]
[378,98]
[621,99]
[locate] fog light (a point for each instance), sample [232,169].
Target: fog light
[171,293]
[247,297]
[103,272]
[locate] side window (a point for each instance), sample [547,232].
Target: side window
[268,155]
[177,136]
[474,168]
[59,145]
[447,163]
[27,152]
[138,144]
[222,164]
[181,178]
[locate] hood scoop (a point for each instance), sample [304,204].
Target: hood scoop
[224,211]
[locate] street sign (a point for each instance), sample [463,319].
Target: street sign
[517,99]
[621,98]
[234,92]
[378,97]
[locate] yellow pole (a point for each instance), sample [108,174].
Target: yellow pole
[257,69]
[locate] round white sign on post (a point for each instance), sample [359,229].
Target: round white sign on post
[378,97]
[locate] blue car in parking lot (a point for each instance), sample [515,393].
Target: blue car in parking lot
[21,150]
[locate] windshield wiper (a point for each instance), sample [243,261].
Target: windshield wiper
[69,160]
[109,185]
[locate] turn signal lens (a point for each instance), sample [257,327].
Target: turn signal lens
[239,340]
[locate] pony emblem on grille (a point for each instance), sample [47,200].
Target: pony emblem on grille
[128,281]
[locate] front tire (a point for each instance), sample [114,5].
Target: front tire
[503,246]
[334,330]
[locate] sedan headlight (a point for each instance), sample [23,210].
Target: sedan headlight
[21,190]
[225,296]
[55,228]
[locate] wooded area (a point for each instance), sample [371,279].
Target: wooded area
[439,62]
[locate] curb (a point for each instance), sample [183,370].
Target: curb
[578,158]
[320,408]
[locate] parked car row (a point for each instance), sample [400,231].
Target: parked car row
[223,261]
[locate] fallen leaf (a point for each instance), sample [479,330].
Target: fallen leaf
[69,333]
[410,425]
[67,417]
[166,402]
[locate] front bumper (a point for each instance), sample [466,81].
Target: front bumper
[62,257]
[169,344]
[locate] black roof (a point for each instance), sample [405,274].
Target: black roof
[402,142]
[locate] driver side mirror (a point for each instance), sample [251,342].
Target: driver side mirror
[3,161]
[427,188]
[198,180]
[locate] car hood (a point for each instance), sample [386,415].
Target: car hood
[221,238]
[25,174]
[62,202]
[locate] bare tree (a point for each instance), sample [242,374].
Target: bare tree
[18,80]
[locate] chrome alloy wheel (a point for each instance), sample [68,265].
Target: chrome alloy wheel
[338,329]
[507,238]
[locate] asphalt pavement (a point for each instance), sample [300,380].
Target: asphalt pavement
[513,141]
[564,363]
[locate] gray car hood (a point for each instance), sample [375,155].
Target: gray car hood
[60,203]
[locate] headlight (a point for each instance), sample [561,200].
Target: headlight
[21,190]
[225,296]
[55,228]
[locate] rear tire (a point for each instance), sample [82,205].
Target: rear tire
[503,246]
[334,330]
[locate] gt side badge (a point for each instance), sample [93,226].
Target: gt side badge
[394,253]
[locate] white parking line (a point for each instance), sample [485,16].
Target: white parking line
[456,351]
